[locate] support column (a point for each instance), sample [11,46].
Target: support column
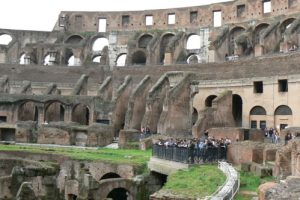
[68,113]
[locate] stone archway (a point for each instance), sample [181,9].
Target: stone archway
[121,60]
[233,35]
[110,175]
[119,194]
[163,46]
[193,42]
[81,114]
[209,100]
[139,58]
[283,117]
[144,40]
[237,109]
[258,117]
[28,111]
[54,112]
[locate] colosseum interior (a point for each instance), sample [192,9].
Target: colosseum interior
[231,68]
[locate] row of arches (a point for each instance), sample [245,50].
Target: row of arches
[256,33]
[54,112]
[139,57]
[257,113]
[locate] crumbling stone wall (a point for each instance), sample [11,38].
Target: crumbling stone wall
[219,115]
[175,118]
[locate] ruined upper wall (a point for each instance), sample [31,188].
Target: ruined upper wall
[238,11]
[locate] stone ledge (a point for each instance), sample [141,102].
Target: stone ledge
[165,166]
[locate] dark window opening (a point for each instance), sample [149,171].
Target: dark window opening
[240,9]
[7,134]
[253,124]
[246,134]
[258,87]
[283,126]
[209,100]
[110,175]
[72,197]
[139,58]
[102,121]
[237,109]
[193,16]
[283,110]
[283,85]
[118,194]
[125,20]
[262,124]
[3,119]
[194,116]
[258,110]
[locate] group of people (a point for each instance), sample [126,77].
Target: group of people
[205,149]
[145,132]
[273,134]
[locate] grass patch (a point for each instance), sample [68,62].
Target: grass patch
[116,156]
[196,182]
[250,182]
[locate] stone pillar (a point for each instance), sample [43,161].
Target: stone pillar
[168,59]
[258,50]
[2,56]
[41,113]
[211,56]
[68,113]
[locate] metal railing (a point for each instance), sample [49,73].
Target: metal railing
[229,189]
[188,154]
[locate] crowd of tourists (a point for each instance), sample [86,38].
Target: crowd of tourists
[205,149]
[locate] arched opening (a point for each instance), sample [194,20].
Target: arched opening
[81,114]
[192,59]
[28,111]
[237,109]
[194,116]
[75,39]
[259,30]
[118,194]
[234,33]
[121,60]
[283,117]
[99,44]
[209,100]
[285,25]
[164,44]
[22,59]
[54,112]
[258,116]
[139,58]
[96,59]
[5,39]
[144,41]
[47,59]
[72,197]
[110,175]
[193,42]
